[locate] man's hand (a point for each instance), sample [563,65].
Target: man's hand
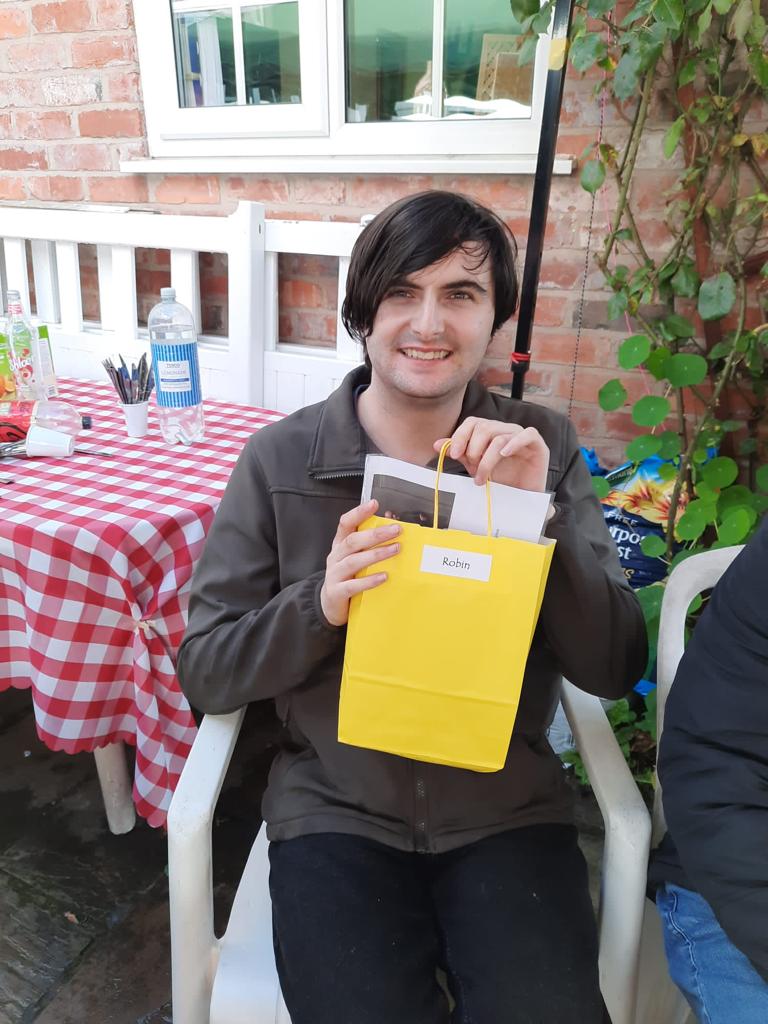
[350,552]
[513,455]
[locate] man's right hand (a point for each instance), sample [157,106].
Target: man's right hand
[352,551]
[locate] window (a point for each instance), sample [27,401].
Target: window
[310,85]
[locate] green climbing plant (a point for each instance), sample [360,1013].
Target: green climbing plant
[707,352]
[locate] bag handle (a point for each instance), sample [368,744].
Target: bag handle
[440,461]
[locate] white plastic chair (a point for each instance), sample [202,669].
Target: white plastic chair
[233,980]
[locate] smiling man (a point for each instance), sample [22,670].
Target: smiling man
[383,869]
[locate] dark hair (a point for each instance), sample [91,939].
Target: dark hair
[415,232]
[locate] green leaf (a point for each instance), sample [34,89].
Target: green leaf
[682,555]
[687,72]
[722,6]
[643,447]
[667,471]
[672,136]
[586,51]
[612,395]
[592,175]
[596,8]
[719,350]
[683,370]
[601,487]
[626,77]
[650,599]
[758,65]
[527,50]
[761,478]
[686,281]
[735,527]
[650,411]
[653,545]
[633,351]
[741,20]
[730,425]
[706,492]
[669,12]
[656,362]
[717,296]
[680,326]
[670,444]
[617,304]
[720,472]
[737,496]
[523,9]
[692,524]
[748,446]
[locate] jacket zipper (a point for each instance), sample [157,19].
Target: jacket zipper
[420,806]
[336,476]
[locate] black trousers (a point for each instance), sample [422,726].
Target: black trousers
[360,929]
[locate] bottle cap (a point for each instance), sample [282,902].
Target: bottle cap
[168,294]
[86,422]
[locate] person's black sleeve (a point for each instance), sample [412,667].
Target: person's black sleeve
[714,753]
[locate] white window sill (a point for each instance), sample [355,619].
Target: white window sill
[342,165]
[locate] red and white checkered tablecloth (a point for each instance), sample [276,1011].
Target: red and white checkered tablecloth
[96,558]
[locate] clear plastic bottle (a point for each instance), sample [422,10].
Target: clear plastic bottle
[17,417]
[177,370]
[21,349]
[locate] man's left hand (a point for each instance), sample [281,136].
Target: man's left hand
[506,452]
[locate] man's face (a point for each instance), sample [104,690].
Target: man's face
[432,328]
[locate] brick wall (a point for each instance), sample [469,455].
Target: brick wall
[71,109]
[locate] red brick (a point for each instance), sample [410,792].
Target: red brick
[44,124]
[589,380]
[110,124]
[326,189]
[126,188]
[35,55]
[187,188]
[123,87]
[81,156]
[65,16]
[13,24]
[17,159]
[494,376]
[301,295]
[12,188]
[564,270]
[650,190]
[551,311]
[72,90]
[5,127]
[316,327]
[260,190]
[373,194]
[114,14]
[500,194]
[103,52]
[52,188]
[132,150]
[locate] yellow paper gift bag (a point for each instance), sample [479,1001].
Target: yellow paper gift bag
[434,658]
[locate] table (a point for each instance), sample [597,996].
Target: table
[96,559]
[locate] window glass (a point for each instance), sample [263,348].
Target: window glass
[205,58]
[481,73]
[271,52]
[388,59]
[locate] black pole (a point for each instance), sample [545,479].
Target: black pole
[550,121]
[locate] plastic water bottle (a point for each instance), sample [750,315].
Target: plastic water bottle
[17,417]
[176,369]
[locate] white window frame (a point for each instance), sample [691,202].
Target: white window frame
[314,136]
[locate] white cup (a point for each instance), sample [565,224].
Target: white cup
[42,441]
[136,419]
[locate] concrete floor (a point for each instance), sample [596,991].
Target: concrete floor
[84,935]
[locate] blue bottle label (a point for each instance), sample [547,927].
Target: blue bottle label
[177,374]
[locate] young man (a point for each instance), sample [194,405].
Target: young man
[382,868]
[712,866]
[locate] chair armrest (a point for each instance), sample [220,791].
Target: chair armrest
[190,875]
[625,856]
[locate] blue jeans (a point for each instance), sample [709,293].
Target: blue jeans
[717,979]
[360,929]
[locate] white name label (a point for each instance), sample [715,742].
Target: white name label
[468,565]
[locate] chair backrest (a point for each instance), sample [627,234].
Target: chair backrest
[689,578]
